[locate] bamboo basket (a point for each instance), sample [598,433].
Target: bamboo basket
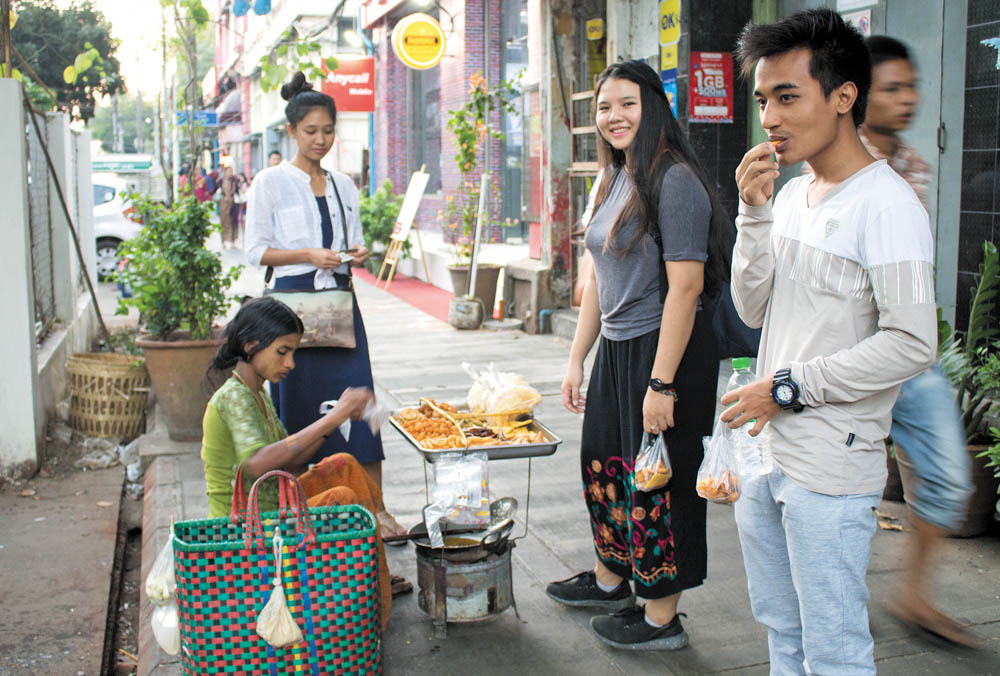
[108,394]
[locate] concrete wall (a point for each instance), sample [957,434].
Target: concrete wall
[35,379]
[19,449]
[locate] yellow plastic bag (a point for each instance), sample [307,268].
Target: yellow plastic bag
[275,623]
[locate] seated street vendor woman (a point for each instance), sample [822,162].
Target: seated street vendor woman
[240,426]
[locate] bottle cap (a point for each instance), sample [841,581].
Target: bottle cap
[741,363]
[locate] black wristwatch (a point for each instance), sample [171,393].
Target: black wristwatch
[667,389]
[785,391]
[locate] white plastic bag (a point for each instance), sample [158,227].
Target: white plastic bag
[345,427]
[166,627]
[275,623]
[161,588]
[161,585]
[459,494]
[652,464]
[375,415]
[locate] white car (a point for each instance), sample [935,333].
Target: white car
[114,222]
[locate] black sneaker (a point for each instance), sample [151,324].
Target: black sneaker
[581,591]
[627,629]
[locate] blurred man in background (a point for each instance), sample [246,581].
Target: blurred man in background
[926,423]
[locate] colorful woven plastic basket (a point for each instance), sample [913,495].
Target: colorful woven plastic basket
[224,569]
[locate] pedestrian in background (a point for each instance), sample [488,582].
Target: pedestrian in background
[273,158]
[227,201]
[656,224]
[926,422]
[295,225]
[839,274]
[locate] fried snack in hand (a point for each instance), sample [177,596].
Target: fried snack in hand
[724,489]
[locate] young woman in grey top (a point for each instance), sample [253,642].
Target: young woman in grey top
[659,239]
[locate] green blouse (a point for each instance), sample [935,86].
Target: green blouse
[233,429]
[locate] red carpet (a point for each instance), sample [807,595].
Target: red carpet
[423,296]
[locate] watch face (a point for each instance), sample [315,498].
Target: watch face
[784,393]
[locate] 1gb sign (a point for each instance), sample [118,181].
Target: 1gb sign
[711,95]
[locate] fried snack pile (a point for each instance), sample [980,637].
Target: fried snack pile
[652,476]
[724,488]
[434,431]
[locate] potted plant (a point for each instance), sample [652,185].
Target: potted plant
[471,125]
[378,220]
[179,288]
[972,365]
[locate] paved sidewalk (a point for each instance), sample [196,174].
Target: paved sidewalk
[416,355]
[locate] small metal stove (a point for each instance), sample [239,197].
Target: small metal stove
[465,582]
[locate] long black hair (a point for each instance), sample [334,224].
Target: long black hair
[261,321]
[659,143]
[302,98]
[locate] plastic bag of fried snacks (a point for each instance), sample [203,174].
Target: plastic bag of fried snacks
[652,464]
[718,476]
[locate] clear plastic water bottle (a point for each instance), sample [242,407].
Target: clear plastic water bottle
[753,452]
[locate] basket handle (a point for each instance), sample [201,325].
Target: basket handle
[291,496]
[237,513]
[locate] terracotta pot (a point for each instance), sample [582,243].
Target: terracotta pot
[982,504]
[177,371]
[894,484]
[487,275]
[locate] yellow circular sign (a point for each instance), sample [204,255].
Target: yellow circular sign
[418,41]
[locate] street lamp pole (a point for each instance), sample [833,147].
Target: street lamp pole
[370,51]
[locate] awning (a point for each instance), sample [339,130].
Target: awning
[373,10]
[231,109]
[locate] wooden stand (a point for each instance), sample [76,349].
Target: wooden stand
[392,256]
[405,221]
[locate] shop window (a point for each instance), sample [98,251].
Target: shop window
[514,54]
[425,125]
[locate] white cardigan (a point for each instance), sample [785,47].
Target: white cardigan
[282,214]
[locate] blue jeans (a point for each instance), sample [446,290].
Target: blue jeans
[927,425]
[806,555]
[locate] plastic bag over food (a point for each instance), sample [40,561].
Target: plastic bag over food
[459,494]
[652,463]
[499,392]
[718,477]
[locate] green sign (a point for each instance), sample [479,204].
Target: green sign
[121,165]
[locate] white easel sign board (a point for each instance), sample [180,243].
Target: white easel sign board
[411,202]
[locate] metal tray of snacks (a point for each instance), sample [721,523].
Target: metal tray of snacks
[541,442]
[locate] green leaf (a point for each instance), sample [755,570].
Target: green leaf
[200,15]
[332,63]
[82,62]
[282,50]
[302,49]
[16,74]
[69,74]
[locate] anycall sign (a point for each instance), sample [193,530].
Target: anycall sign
[711,95]
[352,85]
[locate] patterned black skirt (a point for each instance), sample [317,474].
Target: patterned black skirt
[655,539]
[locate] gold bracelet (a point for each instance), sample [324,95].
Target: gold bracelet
[291,443]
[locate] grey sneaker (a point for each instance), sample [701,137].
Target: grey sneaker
[627,629]
[581,591]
